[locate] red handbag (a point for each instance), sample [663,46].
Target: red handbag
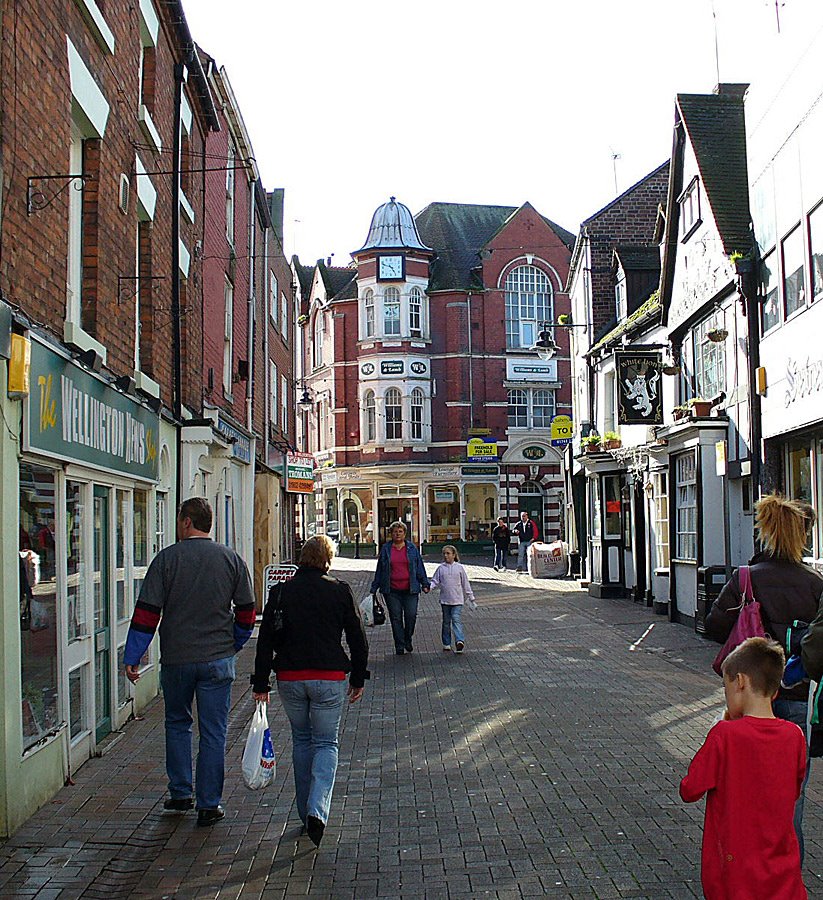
[749,621]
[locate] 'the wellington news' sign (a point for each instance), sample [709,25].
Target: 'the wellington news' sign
[299,473]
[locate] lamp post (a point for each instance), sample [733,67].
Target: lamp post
[545,346]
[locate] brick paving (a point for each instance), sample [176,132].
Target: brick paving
[542,762]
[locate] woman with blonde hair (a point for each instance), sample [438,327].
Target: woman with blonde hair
[300,639]
[786,589]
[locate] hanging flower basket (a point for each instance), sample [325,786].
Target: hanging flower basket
[717,335]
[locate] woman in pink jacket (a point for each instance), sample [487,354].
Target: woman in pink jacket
[455,589]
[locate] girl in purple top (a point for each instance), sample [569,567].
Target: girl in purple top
[454,586]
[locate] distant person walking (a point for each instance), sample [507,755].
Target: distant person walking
[400,577]
[501,536]
[455,590]
[189,590]
[526,531]
[299,639]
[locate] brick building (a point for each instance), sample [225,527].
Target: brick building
[425,400]
[105,113]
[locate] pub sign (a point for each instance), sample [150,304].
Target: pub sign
[639,388]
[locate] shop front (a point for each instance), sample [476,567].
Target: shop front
[94,503]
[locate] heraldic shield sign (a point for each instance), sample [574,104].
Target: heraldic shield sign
[639,388]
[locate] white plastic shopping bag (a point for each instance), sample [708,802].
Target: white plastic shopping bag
[259,763]
[367,610]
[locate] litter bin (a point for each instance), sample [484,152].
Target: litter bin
[710,581]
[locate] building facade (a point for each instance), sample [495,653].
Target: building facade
[427,403]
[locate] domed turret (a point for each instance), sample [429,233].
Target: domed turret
[392,225]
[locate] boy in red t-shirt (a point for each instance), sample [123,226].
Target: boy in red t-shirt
[751,767]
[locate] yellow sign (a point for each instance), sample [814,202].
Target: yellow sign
[477,448]
[562,431]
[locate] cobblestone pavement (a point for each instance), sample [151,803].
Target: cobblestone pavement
[544,761]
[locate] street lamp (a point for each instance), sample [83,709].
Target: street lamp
[545,346]
[305,401]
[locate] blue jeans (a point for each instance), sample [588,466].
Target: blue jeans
[522,551]
[452,621]
[403,616]
[314,709]
[500,557]
[211,683]
[795,711]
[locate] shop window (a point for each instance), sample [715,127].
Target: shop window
[529,301]
[612,496]
[357,515]
[816,247]
[78,714]
[799,471]
[38,602]
[480,505]
[794,287]
[660,499]
[769,292]
[332,527]
[686,486]
[121,594]
[140,562]
[76,581]
[394,415]
[444,513]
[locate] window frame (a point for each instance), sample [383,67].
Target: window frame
[369,417]
[690,201]
[391,299]
[660,499]
[795,233]
[230,192]
[417,404]
[369,319]
[228,337]
[770,263]
[393,420]
[686,538]
[815,283]
[712,351]
[416,301]
[526,309]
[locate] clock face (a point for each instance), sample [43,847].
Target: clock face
[390,268]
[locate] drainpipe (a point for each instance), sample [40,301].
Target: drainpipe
[266,361]
[748,290]
[176,350]
[250,316]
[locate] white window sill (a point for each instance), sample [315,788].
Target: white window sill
[97,24]
[149,128]
[145,384]
[393,448]
[73,334]
[187,208]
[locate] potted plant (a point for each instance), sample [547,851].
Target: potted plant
[612,440]
[565,319]
[591,443]
[699,407]
[680,412]
[302,320]
[742,262]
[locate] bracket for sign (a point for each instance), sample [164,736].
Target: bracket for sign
[37,200]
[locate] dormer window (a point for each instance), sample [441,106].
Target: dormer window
[620,296]
[690,209]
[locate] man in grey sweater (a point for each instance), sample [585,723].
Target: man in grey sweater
[200,593]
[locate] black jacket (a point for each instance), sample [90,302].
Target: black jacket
[317,609]
[785,590]
[502,537]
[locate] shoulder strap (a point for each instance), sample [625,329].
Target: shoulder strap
[745,578]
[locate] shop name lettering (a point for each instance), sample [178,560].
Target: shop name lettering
[803,378]
[91,423]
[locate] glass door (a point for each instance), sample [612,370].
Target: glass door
[101,579]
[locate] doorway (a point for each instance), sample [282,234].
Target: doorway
[101,580]
[530,500]
[399,509]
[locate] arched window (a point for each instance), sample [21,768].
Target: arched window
[391,311]
[394,415]
[518,409]
[542,408]
[370,417]
[318,340]
[416,312]
[417,401]
[529,300]
[368,306]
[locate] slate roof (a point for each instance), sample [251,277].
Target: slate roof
[645,258]
[305,275]
[648,312]
[715,125]
[457,232]
[336,278]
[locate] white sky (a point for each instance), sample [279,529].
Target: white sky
[467,101]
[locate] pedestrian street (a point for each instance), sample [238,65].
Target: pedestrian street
[543,761]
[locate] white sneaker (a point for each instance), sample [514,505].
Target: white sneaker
[458,647]
[447,648]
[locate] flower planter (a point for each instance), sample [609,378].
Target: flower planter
[593,448]
[613,445]
[701,409]
[678,414]
[743,266]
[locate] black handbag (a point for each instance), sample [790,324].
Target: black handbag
[378,611]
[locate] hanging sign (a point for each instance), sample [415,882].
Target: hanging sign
[562,431]
[299,473]
[72,415]
[478,448]
[639,400]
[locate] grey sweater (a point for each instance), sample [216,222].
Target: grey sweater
[193,585]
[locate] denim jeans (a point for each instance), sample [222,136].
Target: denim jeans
[403,616]
[452,622]
[500,557]
[522,552]
[314,709]
[210,683]
[795,711]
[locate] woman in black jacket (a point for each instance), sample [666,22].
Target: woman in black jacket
[299,639]
[786,590]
